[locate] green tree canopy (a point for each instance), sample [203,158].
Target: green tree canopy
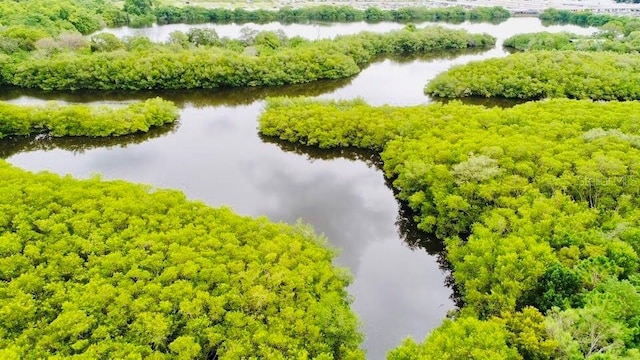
[100,269]
[537,206]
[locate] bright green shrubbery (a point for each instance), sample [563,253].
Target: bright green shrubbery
[538,206]
[82,120]
[171,67]
[605,41]
[57,16]
[542,41]
[97,269]
[587,18]
[46,51]
[541,74]
[196,14]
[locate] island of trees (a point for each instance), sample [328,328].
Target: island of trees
[537,206]
[617,34]
[200,60]
[574,72]
[114,270]
[540,74]
[81,120]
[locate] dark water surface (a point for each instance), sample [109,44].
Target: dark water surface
[214,154]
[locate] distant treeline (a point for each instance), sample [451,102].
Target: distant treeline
[268,61]
[582,18]
[195,14]
[82,120]
[540,74]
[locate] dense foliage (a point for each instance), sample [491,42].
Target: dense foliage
[538,205]
[195,14]
[25,23]
[533,75]
[101,269]
[583,18]
[278,60]
[541,41]
[611,38]
[55,16]
[82,120]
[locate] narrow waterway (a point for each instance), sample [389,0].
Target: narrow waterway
[215,155]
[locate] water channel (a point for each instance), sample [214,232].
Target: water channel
[215,155]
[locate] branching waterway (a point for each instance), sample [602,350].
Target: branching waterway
[215,155]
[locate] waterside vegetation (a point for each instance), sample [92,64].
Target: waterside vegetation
[537,205]
[58,120]
[541,74]
[617,34]
[584,18]
[327,13]
[100,269]
[201,60]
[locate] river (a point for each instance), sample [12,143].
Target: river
[215,155]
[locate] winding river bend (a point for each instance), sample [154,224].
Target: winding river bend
[215,155]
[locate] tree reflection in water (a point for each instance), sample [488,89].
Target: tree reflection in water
[408,230]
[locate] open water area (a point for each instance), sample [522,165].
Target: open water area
[215,155]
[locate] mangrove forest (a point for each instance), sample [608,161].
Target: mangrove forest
[143,215]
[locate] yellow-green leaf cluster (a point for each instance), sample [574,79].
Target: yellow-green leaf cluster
[82,120]
[102,269]
[537,205]
[544,74]
[166,67]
